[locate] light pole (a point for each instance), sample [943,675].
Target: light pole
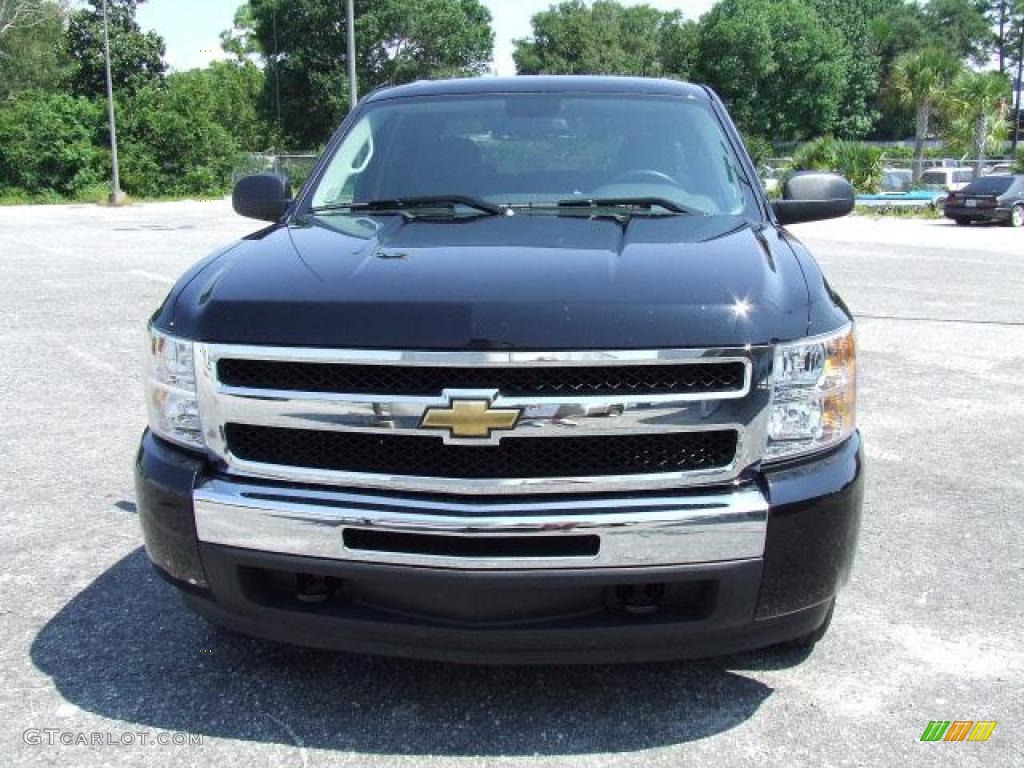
[350,23]
[116,195]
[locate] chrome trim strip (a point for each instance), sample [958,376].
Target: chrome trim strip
[485,359]
[329,397]
[672,530]
[538,419]
[480,487]
[745,411]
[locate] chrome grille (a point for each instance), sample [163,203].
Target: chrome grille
[588,421]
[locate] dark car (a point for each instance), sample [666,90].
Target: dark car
[529,370]
[995,199]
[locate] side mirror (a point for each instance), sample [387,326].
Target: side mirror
[265,196]
[812,196]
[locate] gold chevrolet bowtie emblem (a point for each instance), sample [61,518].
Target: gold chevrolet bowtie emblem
[470,418]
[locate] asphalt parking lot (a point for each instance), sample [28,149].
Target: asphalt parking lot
[928,629]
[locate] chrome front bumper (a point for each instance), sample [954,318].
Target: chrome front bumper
[699,527]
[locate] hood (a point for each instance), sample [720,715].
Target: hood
[524,281]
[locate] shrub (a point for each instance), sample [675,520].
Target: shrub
[899,152]
[860,163]
[53,145]
[817,155]
[50,145]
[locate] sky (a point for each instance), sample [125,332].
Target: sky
[191,28]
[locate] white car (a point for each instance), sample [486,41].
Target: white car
[999,169]
[948,179]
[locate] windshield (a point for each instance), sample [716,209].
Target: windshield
[519,149]
[989,186]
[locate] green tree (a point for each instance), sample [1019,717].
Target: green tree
[781,70]
[32,56]
[1007,20]
[854,20]
[26,14]
[136,57]
[1001,15]
[640,37]
[303,44]
[977,103]
[417,39]
[240,40]
[896,31]
[960,26]
[234,90]
[607,38]
[679,44]
[919,81]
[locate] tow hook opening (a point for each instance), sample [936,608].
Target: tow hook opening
[313,588]
[673,600]
[640,599]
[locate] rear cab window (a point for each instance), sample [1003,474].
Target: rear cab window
[990,185]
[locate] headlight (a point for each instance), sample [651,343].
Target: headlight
[814,394]
[171,390]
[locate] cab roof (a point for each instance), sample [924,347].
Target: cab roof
[541,84]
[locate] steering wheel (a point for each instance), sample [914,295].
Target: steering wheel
[645,174]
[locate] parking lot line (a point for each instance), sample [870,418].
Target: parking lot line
[152,276]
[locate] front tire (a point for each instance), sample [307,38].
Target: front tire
[962,222]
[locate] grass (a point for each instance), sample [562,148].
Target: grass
[899,212]
[98,195]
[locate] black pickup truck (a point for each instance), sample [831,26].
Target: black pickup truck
[528,371]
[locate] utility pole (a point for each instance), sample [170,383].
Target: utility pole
[277,74]
[350,23]
[116,195]
[1019,85]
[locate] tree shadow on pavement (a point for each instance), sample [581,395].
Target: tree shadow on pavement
[126,648]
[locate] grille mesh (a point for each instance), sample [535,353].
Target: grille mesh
[691,378]
[521,457]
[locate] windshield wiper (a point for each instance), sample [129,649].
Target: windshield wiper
[646,203]
[407,204]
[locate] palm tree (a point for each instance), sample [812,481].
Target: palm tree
[919,80]
[977,108]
